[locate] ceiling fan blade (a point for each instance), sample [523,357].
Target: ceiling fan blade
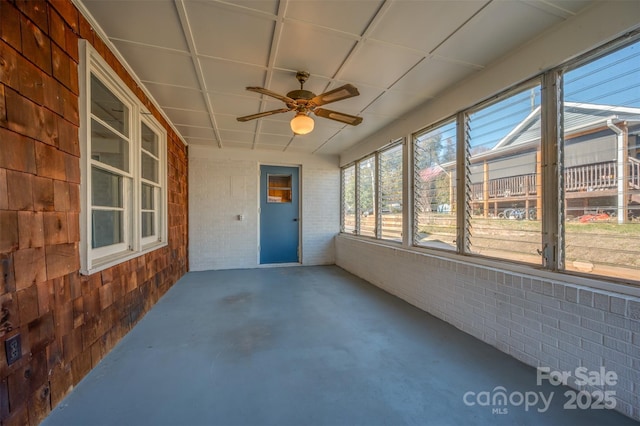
[268,92]
[262,114]
[338,116]
[342,92]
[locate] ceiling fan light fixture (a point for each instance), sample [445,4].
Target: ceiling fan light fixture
[302,124]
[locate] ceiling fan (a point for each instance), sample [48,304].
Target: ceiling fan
[304,102]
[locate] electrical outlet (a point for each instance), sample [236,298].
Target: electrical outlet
[13,349]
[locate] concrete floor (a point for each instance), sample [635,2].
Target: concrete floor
[301,346]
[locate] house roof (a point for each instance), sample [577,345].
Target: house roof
[578,117]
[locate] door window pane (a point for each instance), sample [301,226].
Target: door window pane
[279,188]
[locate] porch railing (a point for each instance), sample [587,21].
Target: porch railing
[634,173]
[580,178]
[591,177]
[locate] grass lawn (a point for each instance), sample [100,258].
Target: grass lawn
[604,248]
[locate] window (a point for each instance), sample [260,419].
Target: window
[348,216]
[150,183]
[602,165]
[279,188]
[504,176]
[390,178]
[123,170]
[366,196]
[434,187]
[372,188]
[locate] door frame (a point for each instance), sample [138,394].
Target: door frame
[300,218]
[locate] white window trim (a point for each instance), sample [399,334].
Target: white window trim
[160,200]
[94,260]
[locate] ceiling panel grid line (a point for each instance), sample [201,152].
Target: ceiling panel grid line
[186,28]
[273,52]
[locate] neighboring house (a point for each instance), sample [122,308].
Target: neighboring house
[601,157]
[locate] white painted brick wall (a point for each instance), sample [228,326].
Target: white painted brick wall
[320,214]
[538,321]
[225,183]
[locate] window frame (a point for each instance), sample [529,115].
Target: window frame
[160,192]
[376,209]
[539,81]
[133,244]
[413,182]
[396,144]
[343,204]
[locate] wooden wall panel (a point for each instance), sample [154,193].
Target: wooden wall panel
[67,322]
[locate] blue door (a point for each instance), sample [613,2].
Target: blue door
[279,210]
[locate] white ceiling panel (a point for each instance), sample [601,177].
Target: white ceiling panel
[365,66]
[313,49]
[429,77]
[153,23]
[276,127]
[487,30]
[344,139]
[321,132]
[196,57]
[348,16]
[268,139]
[231,77]
[423,25]
[238,145]
[394,104]
[188,118]
[197,132]
[177,97]
[265,6]
[160,65]
[229,122]
[234,136]
[234,105]
[561,8]
[228,33]
[201,142]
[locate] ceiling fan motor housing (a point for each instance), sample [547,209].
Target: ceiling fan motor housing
[301,94]
[302,77]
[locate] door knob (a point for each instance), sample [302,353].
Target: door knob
[295,220]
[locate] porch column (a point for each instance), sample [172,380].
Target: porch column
[622,169]
[485,190]
[538,185]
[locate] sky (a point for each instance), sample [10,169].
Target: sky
[610,80]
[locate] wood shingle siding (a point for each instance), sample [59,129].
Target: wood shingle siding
[67,322]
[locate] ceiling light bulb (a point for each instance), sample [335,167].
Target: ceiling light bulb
[302,124]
